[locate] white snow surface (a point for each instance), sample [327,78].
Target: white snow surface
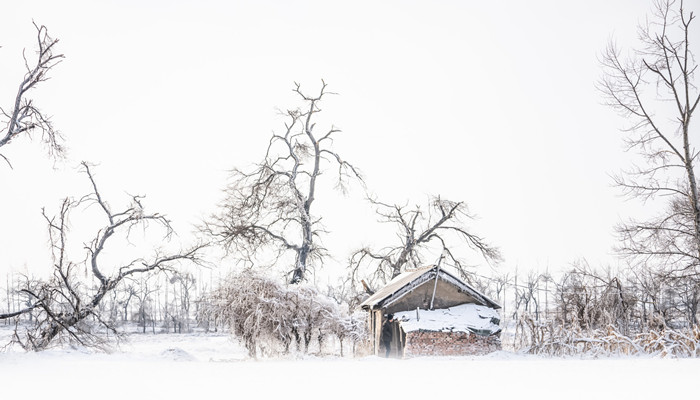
[212,366]
[462,318]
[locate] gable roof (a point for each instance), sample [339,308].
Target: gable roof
[409,280]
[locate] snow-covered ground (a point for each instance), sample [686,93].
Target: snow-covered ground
[198,366]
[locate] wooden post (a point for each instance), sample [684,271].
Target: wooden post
[437,273]
[505,290]
[546,296]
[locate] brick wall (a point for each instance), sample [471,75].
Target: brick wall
[425,343]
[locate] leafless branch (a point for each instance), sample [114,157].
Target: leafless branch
[442,229]
[659,73]
[271,207]
[24,117]
[65,301]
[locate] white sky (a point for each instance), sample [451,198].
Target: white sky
[492,103]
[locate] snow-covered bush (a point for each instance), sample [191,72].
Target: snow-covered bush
[270,317]
[352,327]
[586,299]
[551,338]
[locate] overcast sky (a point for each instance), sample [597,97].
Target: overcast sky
[492,103]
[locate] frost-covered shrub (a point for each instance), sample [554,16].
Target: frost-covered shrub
[634,300]
[550,338]
[270,317]
[640,310]
[352,327]
[589,300]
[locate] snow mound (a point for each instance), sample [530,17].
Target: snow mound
[177,354]
[472,318]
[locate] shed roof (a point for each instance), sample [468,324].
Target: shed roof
[407,281]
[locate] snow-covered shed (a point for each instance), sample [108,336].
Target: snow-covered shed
[435,313]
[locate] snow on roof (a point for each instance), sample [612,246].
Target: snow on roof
[394,285]
[412,277]
[473,318]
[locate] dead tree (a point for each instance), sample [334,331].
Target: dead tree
[440,229]
[64,302]
[182,300]
[24,118]
[654,88]
[143,290]
[271,207]
[129,293]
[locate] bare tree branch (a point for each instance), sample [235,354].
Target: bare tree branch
[660,72]
[271,207]
[441,229]
[64,302]
[24,117]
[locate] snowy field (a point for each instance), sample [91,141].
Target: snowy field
[168,366]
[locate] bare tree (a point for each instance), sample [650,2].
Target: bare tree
[441,228]
[129,292]
[143,290]
[182,299]
[64,302]
[527,293]
[655,90]
[344,292]
[24,118]
[271,207]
